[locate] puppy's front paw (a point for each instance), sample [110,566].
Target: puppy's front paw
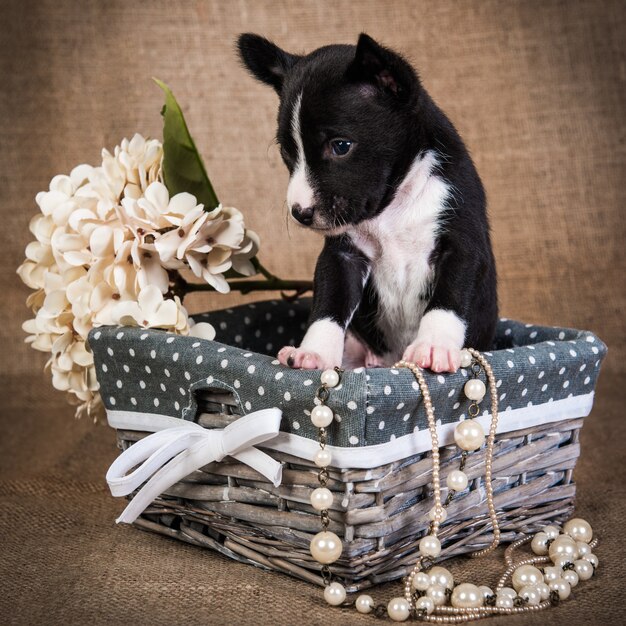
[439,358]
[439,341]
[321,348]
[299,358]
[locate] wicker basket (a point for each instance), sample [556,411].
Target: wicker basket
[380,509]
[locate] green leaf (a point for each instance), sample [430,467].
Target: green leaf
[183,169]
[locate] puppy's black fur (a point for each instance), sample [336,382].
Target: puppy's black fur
[372,98]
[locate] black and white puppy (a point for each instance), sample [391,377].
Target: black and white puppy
[407,269]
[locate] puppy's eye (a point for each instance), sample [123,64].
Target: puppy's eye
[340,147]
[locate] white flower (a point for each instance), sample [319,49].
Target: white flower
[203,330]
[175,242]
[211,244]
[248,248]
[134,164]
[108,242]
[155,210]
[150,310]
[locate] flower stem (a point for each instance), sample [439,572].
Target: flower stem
[246,286]
[262,270]
[180,287]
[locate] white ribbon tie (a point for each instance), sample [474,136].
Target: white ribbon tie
[180,448]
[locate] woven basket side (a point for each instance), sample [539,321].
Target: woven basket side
[381,515]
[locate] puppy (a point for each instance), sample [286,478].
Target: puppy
[407,269]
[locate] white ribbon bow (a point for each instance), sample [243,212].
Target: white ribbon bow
[170,454]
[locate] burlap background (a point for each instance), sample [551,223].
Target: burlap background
[537,90]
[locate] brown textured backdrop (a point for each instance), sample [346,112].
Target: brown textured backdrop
[537,90]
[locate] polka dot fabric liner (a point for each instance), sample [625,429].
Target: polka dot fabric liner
[151,371]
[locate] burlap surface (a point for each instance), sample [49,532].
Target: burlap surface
[537,90]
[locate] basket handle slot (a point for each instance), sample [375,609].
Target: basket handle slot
[216,407]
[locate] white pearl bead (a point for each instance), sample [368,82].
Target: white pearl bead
[570,576]
[531,594]
[441,576]
[457,480]
[551,573]
[562,587]
[326,547]
[466,358]
[506,592]
[330,378]
[426,604]
[437,593]
[421,581]
[583,548]
[335,594]
[321,498]
[562,561]
[578,529]
[475,389]
[364,604]
[526,575]
[323,457]
[322,416]
[584,569]
[592,558]
[551,531]
[539,544]
[469,435]
[443,514]
[466,596]
[398,609]
[563,546]
[430,546]
[544,591]
[504,602]
[485,591]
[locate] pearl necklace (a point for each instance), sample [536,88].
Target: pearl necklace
[427,592]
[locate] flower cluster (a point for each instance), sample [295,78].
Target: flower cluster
[109,241]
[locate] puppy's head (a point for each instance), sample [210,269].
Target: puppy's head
[345,126]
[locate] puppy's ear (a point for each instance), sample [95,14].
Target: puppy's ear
[265,60]
[385,69]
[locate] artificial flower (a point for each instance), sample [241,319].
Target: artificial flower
[150,310]
[107,239]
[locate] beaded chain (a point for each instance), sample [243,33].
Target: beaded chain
[326,547]
[426,592]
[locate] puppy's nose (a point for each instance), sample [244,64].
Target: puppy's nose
[304,216]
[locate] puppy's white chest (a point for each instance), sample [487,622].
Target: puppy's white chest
[399,243]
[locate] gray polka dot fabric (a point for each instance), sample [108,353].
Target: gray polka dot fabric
[151,371]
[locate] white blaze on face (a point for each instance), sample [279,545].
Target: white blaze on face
[299,190]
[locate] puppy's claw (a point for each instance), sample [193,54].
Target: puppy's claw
[286,355]
[297,358]
[418,353]
[437,358]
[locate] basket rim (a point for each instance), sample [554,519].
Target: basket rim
[372,456]
[381,410]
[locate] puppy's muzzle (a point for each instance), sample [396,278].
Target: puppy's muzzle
[302,215]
